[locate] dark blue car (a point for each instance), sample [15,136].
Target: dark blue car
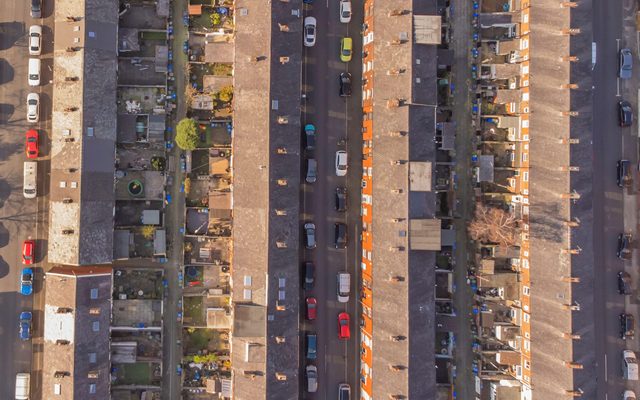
[312,346]
[25,325]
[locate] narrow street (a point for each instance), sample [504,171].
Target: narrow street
[463,296]
[172,351]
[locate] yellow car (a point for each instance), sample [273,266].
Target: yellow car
[346,48]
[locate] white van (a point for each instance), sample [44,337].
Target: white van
[629,365]
[344,287]
[30,179]
[34,72]
[23,380]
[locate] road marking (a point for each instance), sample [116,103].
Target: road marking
[606,375]
[617,87]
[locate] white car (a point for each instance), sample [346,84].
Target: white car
[33,107]
[345,11]
[629,395]
[341,163]
[309,31]
[35,40]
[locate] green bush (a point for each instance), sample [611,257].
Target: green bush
[216,19]
[226,94]
[187,134]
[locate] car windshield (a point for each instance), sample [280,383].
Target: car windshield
[346,52]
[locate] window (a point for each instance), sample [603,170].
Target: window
[527,345]
[90,131]
[525,290]
[525,43]
[94,293]
[525,263]
[525,156]
[525,176]
[92,388]
[527,364]
[57,389]
[92,358]
[526,318]
[95,326]
[94,311]
[525,123]
[525,69]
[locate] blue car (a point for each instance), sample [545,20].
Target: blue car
[26,281]
[25,325]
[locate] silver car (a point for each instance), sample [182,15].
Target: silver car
[310,235]
[625,62]
[312,378]
[309,31]
[312,170]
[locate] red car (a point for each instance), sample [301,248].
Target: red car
[311,308]
[28,247]
[343,326]
[32,143]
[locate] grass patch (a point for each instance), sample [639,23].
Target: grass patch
[200,339]
[193,313]
[136,373]
[153,35]
[222,69]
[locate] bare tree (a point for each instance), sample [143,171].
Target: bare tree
[494,225]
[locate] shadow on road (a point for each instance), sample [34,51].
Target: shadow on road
[5,188]
[10,33]
[6,71]
[4,235]
[4,268]
[6,112]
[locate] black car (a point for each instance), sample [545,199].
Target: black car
[623,176]
[624,283]
[625,113]
[308,275]
[341,199]
[345,84]
[624,244]
[627,324]
[36,8]
[340,235]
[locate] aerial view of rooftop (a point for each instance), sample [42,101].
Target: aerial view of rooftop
[319,199]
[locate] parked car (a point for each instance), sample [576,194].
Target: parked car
[625,64]
[312,378]
[309,31]
[341,199]
[624,283]
[625,113]
[345,11]
[346,49]
[624,244]
[627,326]
[307,1]
[310,136]
[28,248]
[310,235]
[35,40]
[340,235]
[36,8]
[312,346]
[344,391]
[26,281]
[629,395]
[341,163]
[343,326]
[345,84]
[312,170]
[312,305]
[25,325]
[33,107]
[31,144]
[309,279]
[623,173]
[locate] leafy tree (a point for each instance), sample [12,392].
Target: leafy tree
[186,134]
[148,231]
[216,19]
[226,94]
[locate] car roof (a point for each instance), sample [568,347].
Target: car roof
[309,20]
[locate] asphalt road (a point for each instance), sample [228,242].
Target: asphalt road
[334,118]
[614,208]
[21,218]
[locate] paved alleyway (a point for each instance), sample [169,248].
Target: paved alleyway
[463,297]
[172,352]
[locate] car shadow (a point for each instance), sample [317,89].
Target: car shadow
[4,235]
[5,191]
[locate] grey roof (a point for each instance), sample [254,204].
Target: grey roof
[402,308]
[485,169]
[121,244]
[128,40]
[84,110]
[256,194]
[76,332]
[157,126]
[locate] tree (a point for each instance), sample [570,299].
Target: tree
[216,19]
[186,134]
[494,225]
[225,94]
[187,185]
[148,231]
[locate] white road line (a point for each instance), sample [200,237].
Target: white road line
[617,87]
[606,375]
